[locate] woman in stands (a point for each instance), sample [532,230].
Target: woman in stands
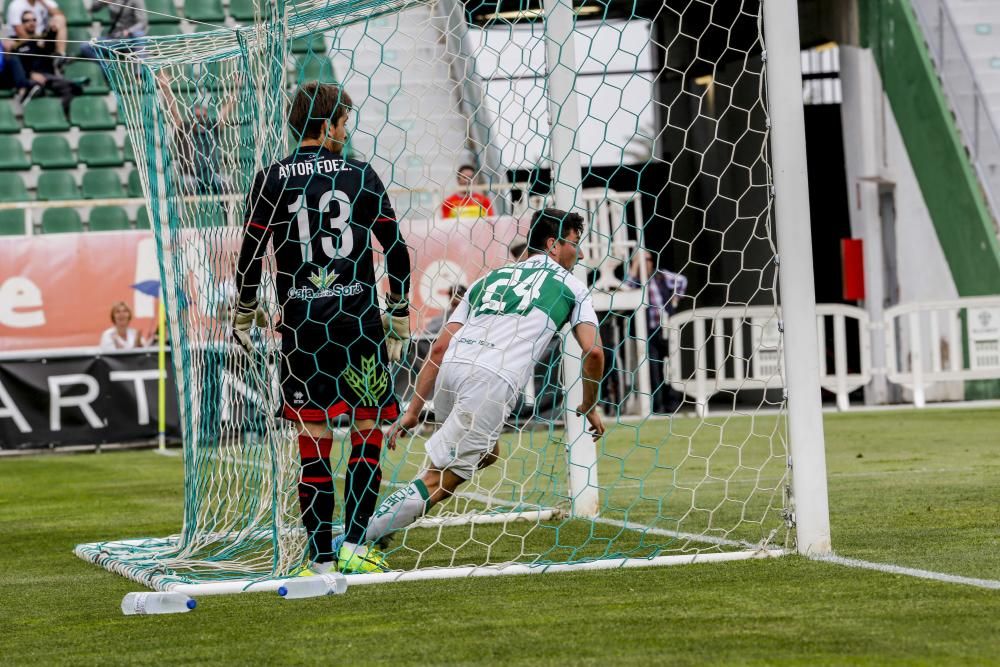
[121,336]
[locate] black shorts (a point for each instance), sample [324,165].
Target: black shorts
[328,372]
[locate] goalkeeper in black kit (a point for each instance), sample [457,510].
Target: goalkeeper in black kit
[320,210]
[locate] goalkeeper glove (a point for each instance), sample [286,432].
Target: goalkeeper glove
[396,322]
[246,316]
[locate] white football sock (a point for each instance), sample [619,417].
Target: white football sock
[398,511]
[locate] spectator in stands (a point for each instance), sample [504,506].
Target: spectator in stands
[120,336]
[664,290]
[434,326]
[465,203]
[38,56]
[49,26]
[12,74]
[128,21]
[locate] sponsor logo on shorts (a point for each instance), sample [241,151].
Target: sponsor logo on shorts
[472,341]
[371,383]
[307,293]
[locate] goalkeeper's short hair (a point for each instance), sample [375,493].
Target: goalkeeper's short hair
[314,104]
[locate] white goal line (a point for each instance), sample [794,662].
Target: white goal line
[992,584]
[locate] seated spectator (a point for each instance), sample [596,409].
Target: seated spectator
[38,56]
[121,336]
[12,74]
[49,26]
[466,203]
[128,21]
[434,326]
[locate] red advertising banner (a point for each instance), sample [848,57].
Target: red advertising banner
[57,290]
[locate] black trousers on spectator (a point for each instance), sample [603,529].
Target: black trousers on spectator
[664,399]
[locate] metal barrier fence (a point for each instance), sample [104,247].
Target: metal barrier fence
[717,350]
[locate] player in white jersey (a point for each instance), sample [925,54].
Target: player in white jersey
[484,356]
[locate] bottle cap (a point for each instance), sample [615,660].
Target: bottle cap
[191,604]
[282,591]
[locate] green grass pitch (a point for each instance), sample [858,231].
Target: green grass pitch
[913,488]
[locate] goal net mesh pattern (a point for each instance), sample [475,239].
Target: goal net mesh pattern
[673,142]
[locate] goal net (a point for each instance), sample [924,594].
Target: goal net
[667,118]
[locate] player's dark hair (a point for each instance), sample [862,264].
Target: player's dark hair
[550,223]
[467,166]
[314,104]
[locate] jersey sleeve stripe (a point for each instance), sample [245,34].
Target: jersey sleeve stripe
[254,224]
[385,219]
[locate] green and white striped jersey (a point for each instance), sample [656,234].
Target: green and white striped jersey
[510,315]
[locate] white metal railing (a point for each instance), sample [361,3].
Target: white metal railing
[958,76]
[733,349]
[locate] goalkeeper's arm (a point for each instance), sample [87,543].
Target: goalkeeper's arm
[256,234]
[396,320]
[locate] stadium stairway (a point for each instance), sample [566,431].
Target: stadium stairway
[955,196]
[410,114]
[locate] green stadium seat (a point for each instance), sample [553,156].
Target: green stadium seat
[90,113]
[45,114]
[241,10]
[98,84]
[12,157]
[76,13]
[311,44]
[102,184]
[142,218]
[8,121]
[12,188]
[61,221]
[134,184]
[99,150]
[57,185]
[313,68]
[128,152]
[75,35]
[12,222]
[108,219]
[52,151]
[209,11]
[162,11]
[163,29]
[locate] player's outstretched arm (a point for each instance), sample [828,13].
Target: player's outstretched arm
[425,382]
[256,233]
[593,370]
[396,320]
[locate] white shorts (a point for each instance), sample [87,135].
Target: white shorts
[472,405]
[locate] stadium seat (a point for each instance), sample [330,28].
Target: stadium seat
[128,152]
[313,68]
[52,151]
[142,218]
[102,184]
[57,185]
[61,221]
[134,184]
[8,121]
[103,16]
[241,10]
[45,114]
[162,11]
[314,44]
[76,13]
[12,157]
[12,187]
[98,84]
[12,222]
[90,113]
[108,219]
[209,11]
[99,150]
[75,35]
[164,29]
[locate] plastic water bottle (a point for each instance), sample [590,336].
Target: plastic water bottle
[331,583]
[156,603]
